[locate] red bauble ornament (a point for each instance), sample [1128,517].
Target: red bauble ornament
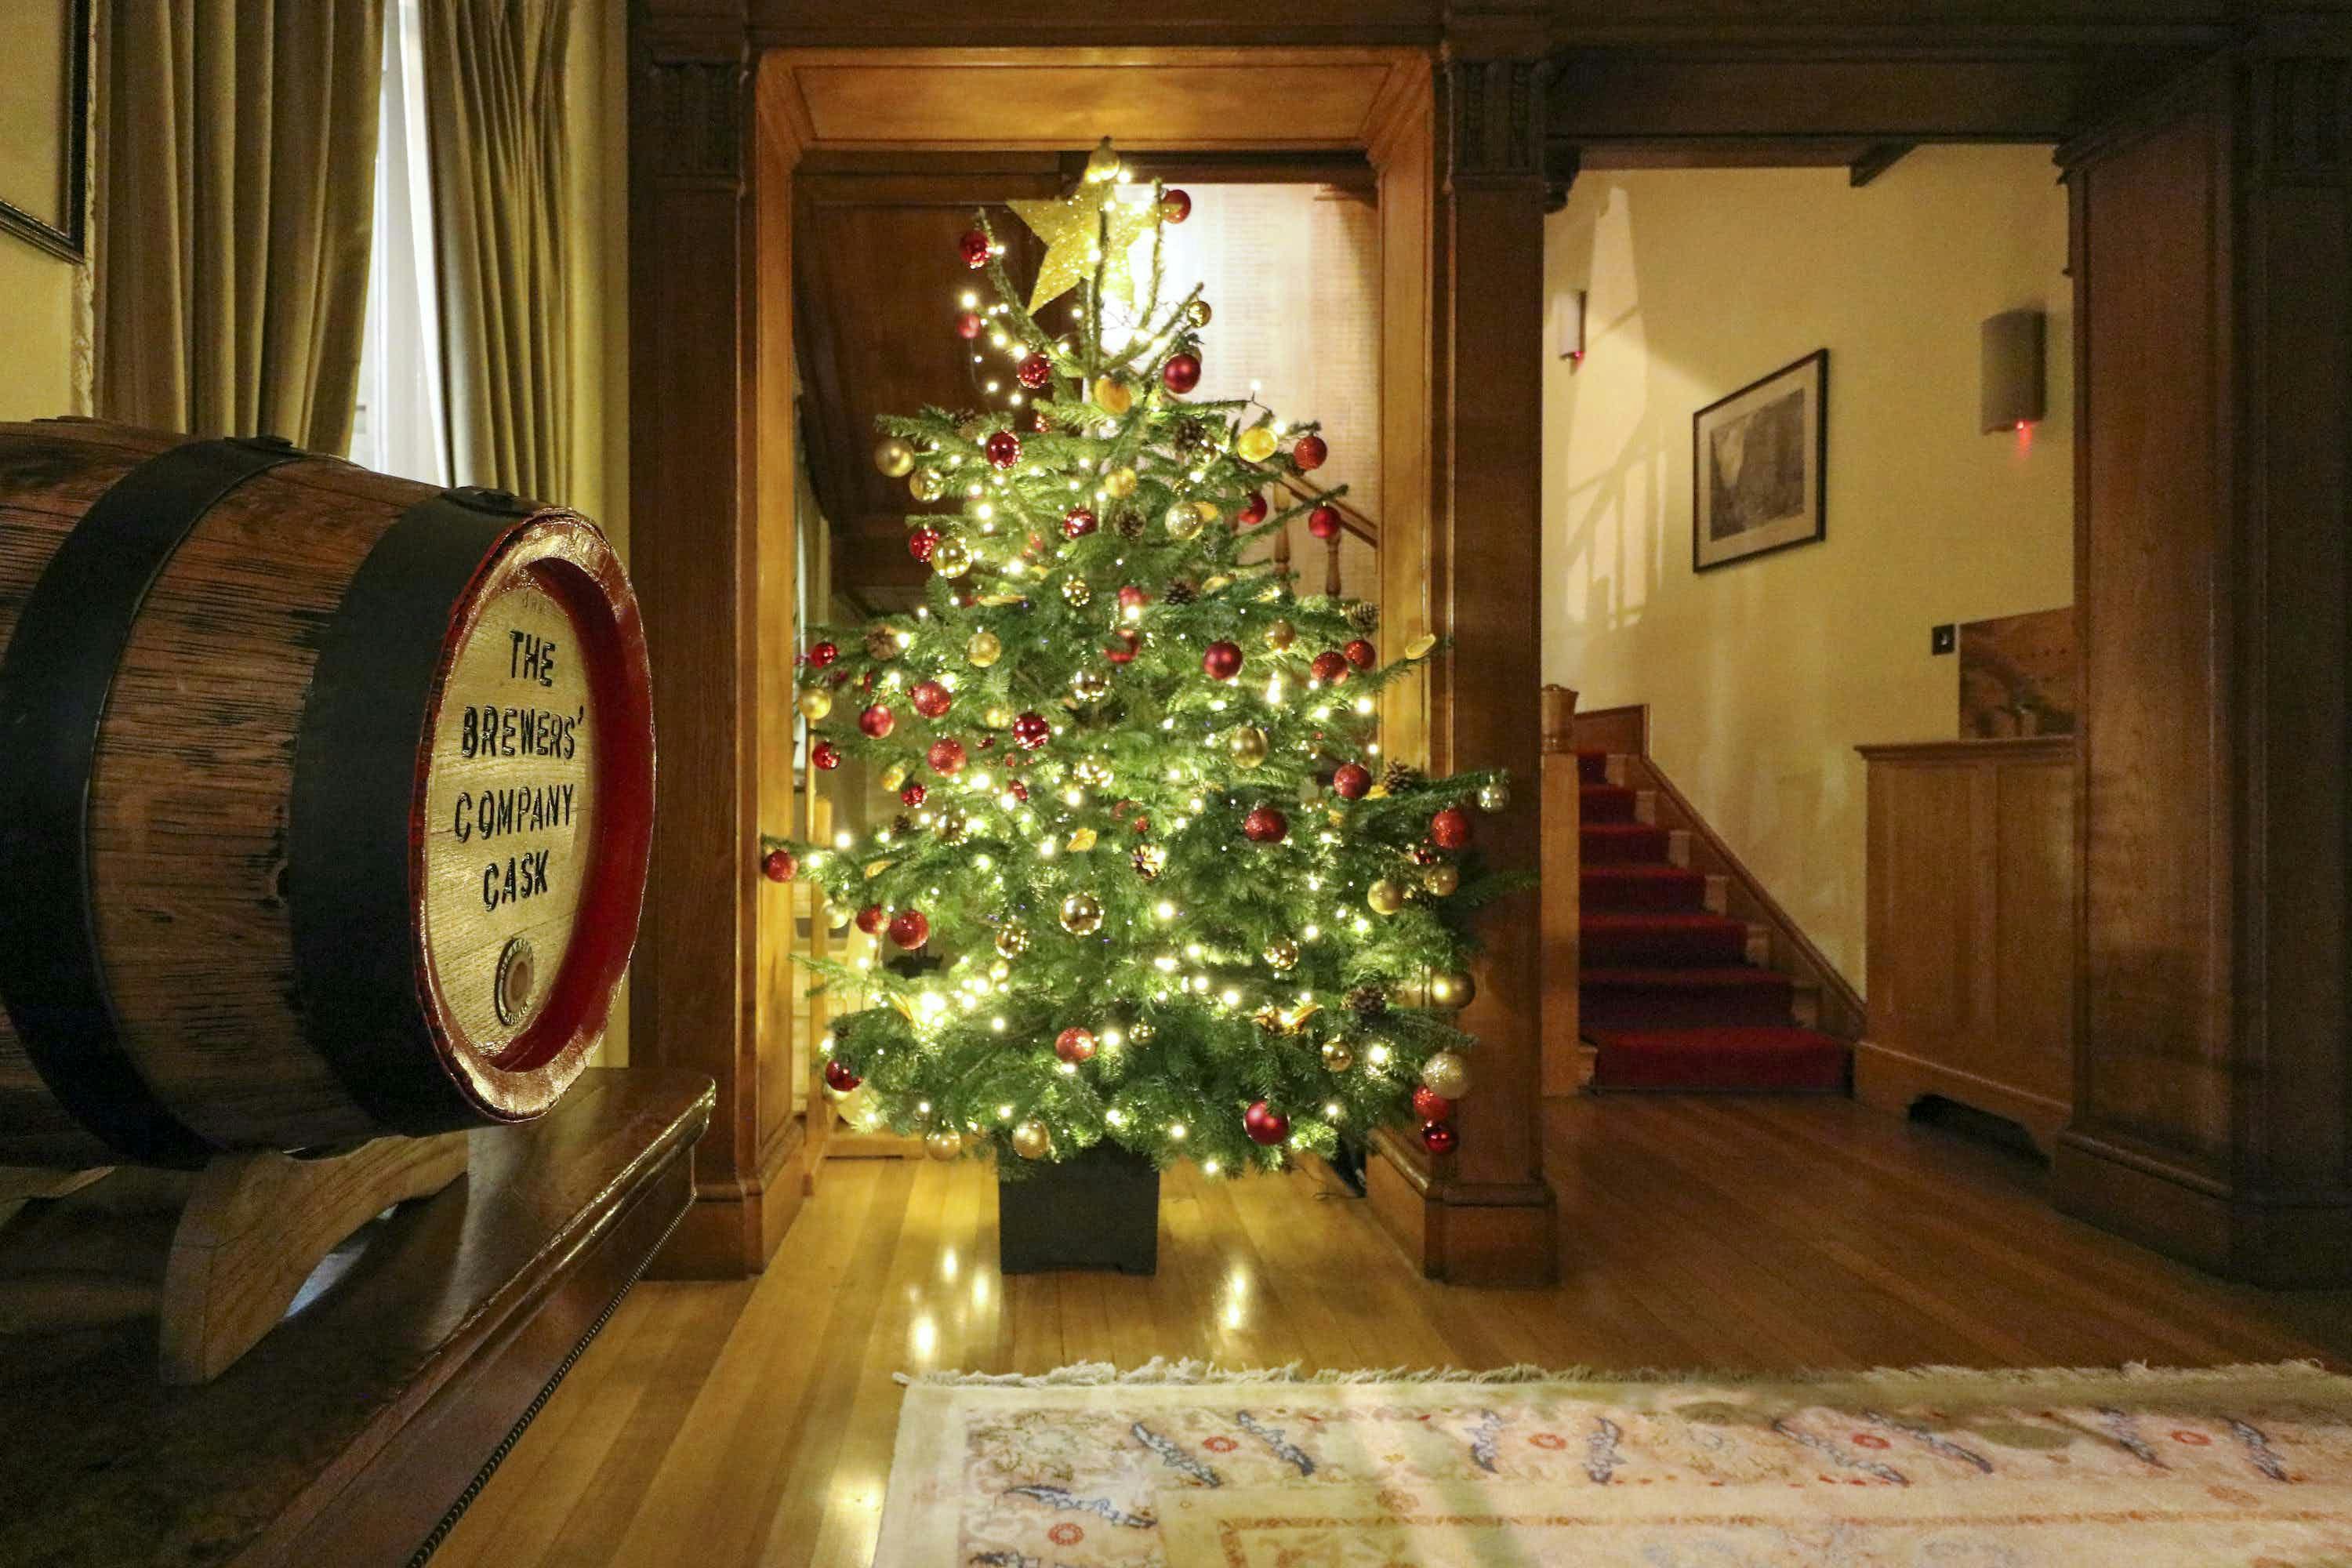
[1438,1137]
[946,756]
[872,919]
[1124,646]
[1323,522]
[778,866]
[1265,825]
[930,699]
[1133,598]
[1175,205]
[909,927]
[1450,828]
[1351,780]
[839,1078]
[1003,450]
[973,248]
[1253,511]
[1265,1125]
[970,324]
[1330,667]
[1035,372]
[822,654]
[1030,731]
[1430,1105]
[1016,789]
[1222,660]
[825,755]
[1425,854]
[877,720]
[1309,453]
[912,796]
[1141,824]
[1075,1045]
[1182,373]
[1362,654]
[921,542]
[1077,522]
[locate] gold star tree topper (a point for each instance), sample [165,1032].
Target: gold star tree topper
[1096,223]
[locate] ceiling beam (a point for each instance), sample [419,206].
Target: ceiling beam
[1881,157]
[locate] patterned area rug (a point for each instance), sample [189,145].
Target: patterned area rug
[1184,1467]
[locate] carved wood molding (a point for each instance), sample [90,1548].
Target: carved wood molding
[1493,117]
[688,117]
[2300,124]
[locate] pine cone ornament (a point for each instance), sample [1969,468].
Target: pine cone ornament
[1196,438]
[1365,619]
[1181,592]
[1128,525]
[1399,776]
[1368,1001]
[902,825]
[881,642]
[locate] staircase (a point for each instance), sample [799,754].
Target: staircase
[1674,993]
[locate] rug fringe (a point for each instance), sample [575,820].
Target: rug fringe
[1161,1372]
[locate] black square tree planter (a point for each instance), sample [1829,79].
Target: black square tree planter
[1098,1209]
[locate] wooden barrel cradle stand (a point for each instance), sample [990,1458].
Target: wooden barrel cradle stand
[325,798]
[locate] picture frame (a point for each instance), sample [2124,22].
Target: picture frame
[1759,461]
[44,108]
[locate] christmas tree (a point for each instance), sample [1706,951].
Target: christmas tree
[1152,881]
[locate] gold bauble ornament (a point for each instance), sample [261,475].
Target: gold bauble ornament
[838,916]
[893,457]
[1102,164]
[816,702]
[1141,1032]
[1386,897]
[1446,1074]
[1089,686]
[1000,971]
[1337,1055]
[942,1143]
[1198,313]
[894,776]
[1031,1140]
[1280,636]
[1012,940]
[925,485]
[1112,395]
[1182,521]
[1255,443]
[1082,914]
[984,649]
[1248,746]
[1441,878]
[953,827]
[951,557]
[997,718]
[1452,988]
[1075,592]
[1092,772]
[1495,796]
[1282,954]
[1120,483]
[1215,583]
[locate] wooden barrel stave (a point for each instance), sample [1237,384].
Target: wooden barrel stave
[189,802]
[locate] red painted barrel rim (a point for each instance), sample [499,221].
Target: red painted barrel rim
[569,559]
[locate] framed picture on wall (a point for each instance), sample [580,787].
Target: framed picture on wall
[44,121]
[1757,461]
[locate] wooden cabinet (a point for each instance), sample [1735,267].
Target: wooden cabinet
[1971,929]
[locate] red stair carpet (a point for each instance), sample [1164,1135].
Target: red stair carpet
[1670,1000]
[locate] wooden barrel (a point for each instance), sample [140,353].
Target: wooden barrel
[325,798]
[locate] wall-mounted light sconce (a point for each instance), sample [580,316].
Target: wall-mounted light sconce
[1568,325]
[2009,393]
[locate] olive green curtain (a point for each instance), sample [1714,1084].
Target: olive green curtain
[240,140]
[494,104]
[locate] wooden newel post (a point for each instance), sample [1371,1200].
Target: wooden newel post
[1562,890]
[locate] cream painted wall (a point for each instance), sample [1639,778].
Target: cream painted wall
[41,298]
[1762,675]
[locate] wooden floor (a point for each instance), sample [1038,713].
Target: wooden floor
[740,1424]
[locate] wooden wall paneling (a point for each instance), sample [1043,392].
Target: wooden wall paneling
[2211,285]
[1562,895]
[1401,142]
[693,996]
[1971,899]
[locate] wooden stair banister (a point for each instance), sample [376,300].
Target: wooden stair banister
[1562,899]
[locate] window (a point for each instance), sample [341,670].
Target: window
[401,427]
